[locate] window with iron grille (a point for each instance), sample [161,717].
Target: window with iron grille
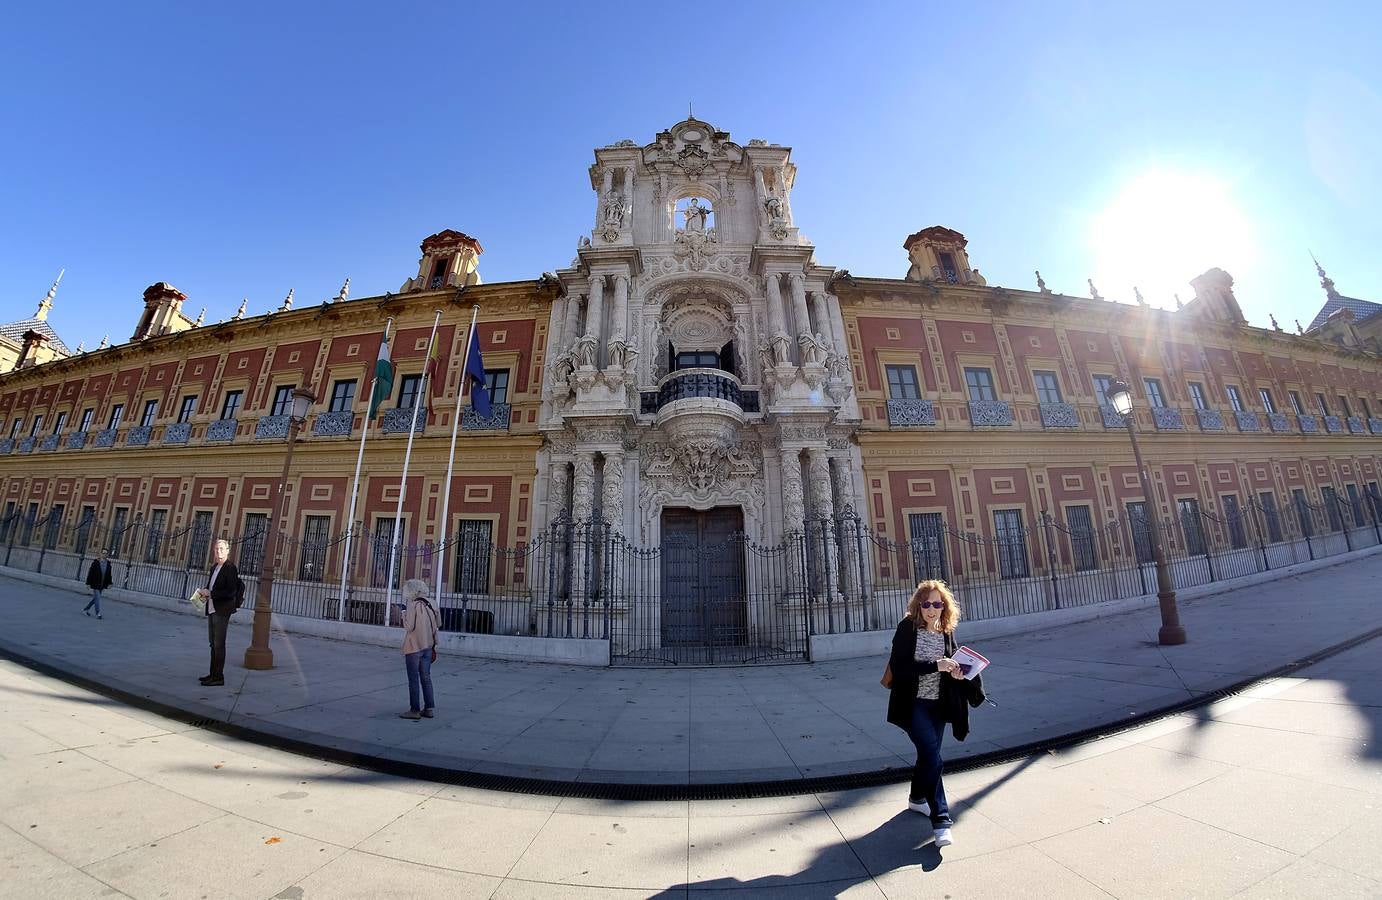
[54,526]
[117,531]
[283,400]
[1191,525]
[343,396]
[1267,402]
[1140,528]
[1047,387]
[1331,508]
[9,523]
[1235,399]
[1233,519]
[150,413]
[497,380]
[1376,497]
[84,526]
[1355,502]
[927,545]
[315,536]
[902,383]
[1082,548]
[253,538]
[153,546]
[230,407]
[30,518]
[1197,395]
[474,547]
[980,384]
[1154,395]
[1012,543]
[1267,500]
[199,544]
[381,548]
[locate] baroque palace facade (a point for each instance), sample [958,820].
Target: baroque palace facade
[696,373]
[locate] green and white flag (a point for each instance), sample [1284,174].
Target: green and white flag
[383,377]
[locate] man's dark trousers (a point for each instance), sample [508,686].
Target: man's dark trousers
[216,626]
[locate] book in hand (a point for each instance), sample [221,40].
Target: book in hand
[198,601]
[970,661]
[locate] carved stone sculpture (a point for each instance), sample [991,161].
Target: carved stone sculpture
[585,352]
[813,349]
[782,352]
[695,216]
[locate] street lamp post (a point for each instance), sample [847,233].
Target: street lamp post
[258,655]
[1172,632]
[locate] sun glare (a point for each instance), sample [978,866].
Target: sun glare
[1164,228]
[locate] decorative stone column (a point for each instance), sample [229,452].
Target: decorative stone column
[628,199]
[822,530]
[793,520]
[777,322]
[582,533]
[612,504]
[851,535]
[588,350]
[573,321]
[618,341]
[797,282]
[558,484]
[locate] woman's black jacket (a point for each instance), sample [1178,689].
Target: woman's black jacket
[956,695]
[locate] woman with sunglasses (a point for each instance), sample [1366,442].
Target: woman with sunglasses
[926,693]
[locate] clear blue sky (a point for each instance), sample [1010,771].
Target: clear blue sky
[247,150]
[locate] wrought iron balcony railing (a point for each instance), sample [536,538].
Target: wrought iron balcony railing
[1355,425]
[1280,424]
[400,419]
[990,413]
[1059,415]
[222,430]
[1210,419]
[139,436]
[50,443]
[1111,417]
[497,420]
[1248,421]
[1333,425]
[911,413]
[1308,424]
[177,433]
[271,427]
[106,437]
[1167,418]
[26,445]
[713,384]
[76,440]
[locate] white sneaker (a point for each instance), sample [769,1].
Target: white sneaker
[943,838]
[923,807]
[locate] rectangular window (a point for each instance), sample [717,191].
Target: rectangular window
[1343,404]
[380,549]
[1331,508]
[189,406]
[1355,502]
[60,423]
[1235,399]
[153,546]
[15,426]
[315,537]
[1102,384]
[54,526]
[1047,387]
[1267,500]
[117,531]
[253,538]
[1082,546]
[1191,525]
[1154,395]
[1303,512]
[902,383]
[38,423]
[1140,530]
[1367,412]
[1296,406]
[694,359]
[117,414]
[1376,497]
[497,380]
[1267,402]
[1011,543]
[1197,395]
[343,396]
[8,526]
[927,545]
[150,413]
[948,269]
[87,415]
[1324,407]
[980,383]
[230,407]
[408,390]
[473,549]
[84,526]
[199,545]
[1233,521]
[283,400]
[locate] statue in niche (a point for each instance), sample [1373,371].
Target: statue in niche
[585,352]
[782,348]
[614,208]
[695,216]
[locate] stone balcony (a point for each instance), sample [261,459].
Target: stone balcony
[336,423]
[990,413]
[1280,424]
[1308,424]
[1248,421]
[1210,419]
[1333,425]
[497,420]
[177,433]
[1167,418]
[1355,425]
[700,403]
[139,436]
[400,419]
[272,428]
[911,413]
[222,431]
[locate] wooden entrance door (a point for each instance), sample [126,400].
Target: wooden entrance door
[703,601]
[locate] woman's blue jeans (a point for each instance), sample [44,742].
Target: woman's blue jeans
[928,728]
[419,666]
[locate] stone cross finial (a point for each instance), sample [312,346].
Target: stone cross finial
[1093,291]
[47,302]
[240,313]
[201,317]
[344,294]
[287,302]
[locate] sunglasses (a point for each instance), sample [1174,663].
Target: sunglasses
[933,604]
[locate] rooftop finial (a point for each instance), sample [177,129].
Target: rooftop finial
[81,346]
[1325,281]
[47,302]
[240,313]
[344,294]
[1041,283]
[1093,291]
[1179,305]
[287,302]
[1138,295]
[1299,330]
[105,342]
[1275,327]
[201,317]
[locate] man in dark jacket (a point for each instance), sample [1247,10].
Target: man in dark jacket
[222,596]
[98,579]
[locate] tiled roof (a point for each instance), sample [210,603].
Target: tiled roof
[1361,310]
[15,332]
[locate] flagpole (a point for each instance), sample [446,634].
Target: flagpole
[354,495]
[418,404]
[451,457]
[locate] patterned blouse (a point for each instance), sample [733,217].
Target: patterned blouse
[930,647]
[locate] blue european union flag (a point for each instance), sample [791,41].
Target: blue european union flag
[475,371]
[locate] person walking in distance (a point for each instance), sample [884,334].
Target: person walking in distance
[223,595]
[420,626]
[927,690]
[98,579]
